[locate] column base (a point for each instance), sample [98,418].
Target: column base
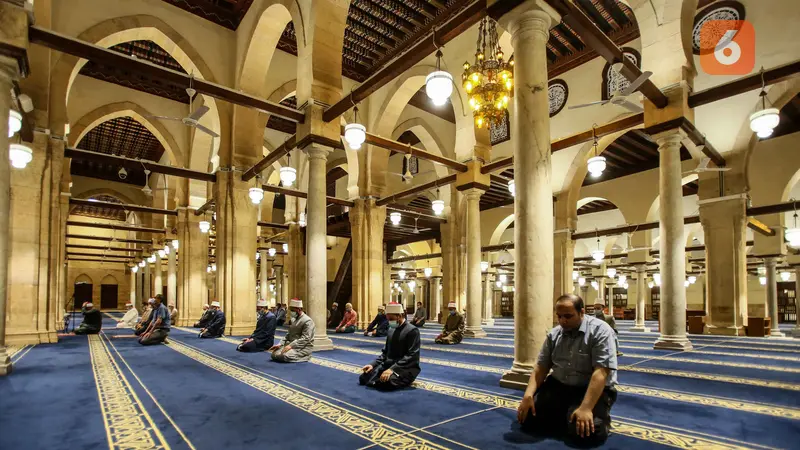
[487,322]
[5,363]
[677,343]
[515,380]
[27,338]
[239,330]
[642,329]
[474,332]
[725,331]
[776,334]
[322,343]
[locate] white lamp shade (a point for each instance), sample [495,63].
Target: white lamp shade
[141,263]
[151,259]
[596,165]
[611,273]
[175,244]
[762,280]
[161,253]
[598,255]
[595,285]
[657,278]
[785,276]
[204,226]
[427,271]
[271,251]
[395,218]
[208,269]
[355,134]
[256,195]
[764,121]
[19,155]
[650,284]
[484,266]
[581,281]
[439,86]
[622,279]
[498,283]
[134,269]
[288,175]
[14,122]
[503,278]
[793,236]
[285,248]
[512,188]
[166,249]
[402,274]
[258,256]
[686,283]
[692,279]
[438,207]
[214,267]
[412,284]
[575,275]
[302,220]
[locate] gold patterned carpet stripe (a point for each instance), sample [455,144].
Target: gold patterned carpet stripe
[127,424]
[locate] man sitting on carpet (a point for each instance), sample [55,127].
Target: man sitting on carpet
[609,319]
[575,400]
[298,344]
[216,326]
[144,320]
[130,318]
[419,316]
[379,326]
[453,330]
[264,335]
[158,330]
[205,318]
[280,315]
[398,364]
[92,320]
[334,316]
[173,312]
[348,323]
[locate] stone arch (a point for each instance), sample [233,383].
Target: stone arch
[109,279]
[607,242]
[500,229]
[129,28]
[321,36]
[83,278]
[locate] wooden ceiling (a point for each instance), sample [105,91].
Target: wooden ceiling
[98,211]
[122,136]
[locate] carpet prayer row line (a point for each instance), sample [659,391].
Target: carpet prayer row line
[107,391]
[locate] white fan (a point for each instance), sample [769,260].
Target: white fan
[620,98]
[193,119]
[408,176]
[703,167]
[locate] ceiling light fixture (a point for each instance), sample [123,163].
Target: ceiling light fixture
[394,217]
[271,251]
[622,279]
[484,266]
[428,272]
[175,244]
[286,248]
[288,174]
[141,263]
[134,269]
[597,163]
[438,84]
[598,255]
[256,195]
[657,278]
[764,121]
[19,155]
[581,281]
[402,274]
[162,254]
[438,204]
[412,284]
[575,275]
[512,187]
[14,122]
[692,279]
[204,226]
[611,273]
[302,220]
[354,133]
[785,276]
[793,234]
[489,81]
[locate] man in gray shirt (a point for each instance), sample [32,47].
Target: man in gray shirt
[419,316]
[574,401]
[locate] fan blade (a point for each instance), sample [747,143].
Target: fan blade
[636,83]
[602,102]
[164,118]
[206,130]
[198,113]
[704,163]
[631,106]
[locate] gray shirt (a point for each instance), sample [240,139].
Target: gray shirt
[573,355]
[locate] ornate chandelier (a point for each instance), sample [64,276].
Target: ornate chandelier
[489,81]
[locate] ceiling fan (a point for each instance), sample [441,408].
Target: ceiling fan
[193,119]
[703,167]
[620,98]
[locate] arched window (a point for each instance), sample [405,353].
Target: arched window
[614,81]
[557,93]
[728,10]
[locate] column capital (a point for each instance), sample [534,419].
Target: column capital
[530,15]
[670,138]
[317,151]
[473,193]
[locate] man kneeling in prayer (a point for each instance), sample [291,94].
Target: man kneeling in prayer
[453,329]
[158,330]
[208,314]
[575,400]
[92,320]
[379,327]
[144,319]
[264,335]
[398,364]
[130,318]
[298,344]
[216,326]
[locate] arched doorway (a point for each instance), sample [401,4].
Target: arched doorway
[82,291]
[109,293]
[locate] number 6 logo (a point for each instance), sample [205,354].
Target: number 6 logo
[734,51]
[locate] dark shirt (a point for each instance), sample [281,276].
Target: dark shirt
[161,312]
[217,325]
[205,318]
[335,317]
[401,352]
[92,318]
[380,324]
[280,316]
[264,334]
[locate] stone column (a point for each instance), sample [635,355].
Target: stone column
[601,290]
[284,298]
[563,257]
[192,267]
[436,297]
[316,246]
[529,25]
[296,267]
[724,227]
[474,294]
[140,298]
[368,286]
[772,297]
[172,276]
[158,283]
[148,286]
[641,290]
[488,313]
[263,286]
[672,250]
[133,288]
[796,330]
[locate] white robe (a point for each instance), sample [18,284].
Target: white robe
[130,319]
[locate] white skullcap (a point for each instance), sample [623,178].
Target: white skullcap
[215,304]
[295,303]
[394,308]
[151,300]
[381,308]
[129,304]
[451,305]
[205,306]
[261,302]
[89,305]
